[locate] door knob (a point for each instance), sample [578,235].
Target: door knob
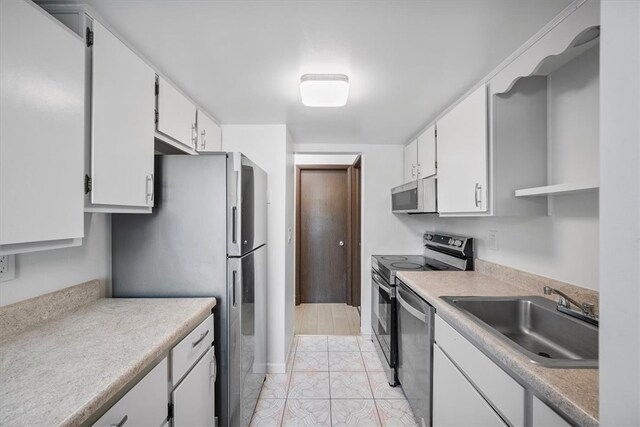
[341,243]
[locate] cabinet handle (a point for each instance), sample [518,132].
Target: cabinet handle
[122,422]
[477,190]
[149,192]
[199,340]
[214,365]
[234,214]
[203,135]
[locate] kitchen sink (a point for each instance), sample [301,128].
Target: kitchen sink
[533,326]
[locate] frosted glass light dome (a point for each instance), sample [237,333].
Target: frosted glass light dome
[324,90]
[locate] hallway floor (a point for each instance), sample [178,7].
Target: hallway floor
[331,381]
[327,319]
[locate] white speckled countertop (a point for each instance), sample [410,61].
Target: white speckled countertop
[61,371]
[572,391]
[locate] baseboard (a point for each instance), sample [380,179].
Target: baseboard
[276,368]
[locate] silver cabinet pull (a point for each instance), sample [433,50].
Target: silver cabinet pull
[153,188]
[213,369]
[199,340]
[341,243]
[203,139]
[149,192]
[477,198]
[122,422]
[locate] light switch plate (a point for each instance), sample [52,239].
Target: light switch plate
[493,240]
[7,267]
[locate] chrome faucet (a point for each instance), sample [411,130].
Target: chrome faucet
[586,313]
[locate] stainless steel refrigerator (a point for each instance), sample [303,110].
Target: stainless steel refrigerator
[207,236]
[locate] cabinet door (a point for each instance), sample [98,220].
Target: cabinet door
[42,118]
[194,397]
[123,101]
[176,114]
[427,153]
[544,416]
[411,161]
[462,156]
[209,134]
[144,405]
[455,401]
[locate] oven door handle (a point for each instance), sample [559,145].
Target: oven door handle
[378,281]
[411,310]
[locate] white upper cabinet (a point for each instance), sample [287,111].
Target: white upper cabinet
[411,161]
[209,134]
[462,156]
[176,115]
[427,153]
[122,137]
[42,119]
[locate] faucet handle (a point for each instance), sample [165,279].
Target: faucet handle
[563,301]
[588,309]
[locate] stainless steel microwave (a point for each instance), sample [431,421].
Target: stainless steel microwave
[415,197]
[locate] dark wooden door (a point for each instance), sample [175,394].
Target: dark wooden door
[324,214]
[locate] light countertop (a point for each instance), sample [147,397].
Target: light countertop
[61,371]
[572,391]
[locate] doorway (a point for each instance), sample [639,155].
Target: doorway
[328,245]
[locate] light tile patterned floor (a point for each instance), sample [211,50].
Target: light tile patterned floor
[332,381]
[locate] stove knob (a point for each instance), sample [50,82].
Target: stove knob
[458,243]
[428,236]
[450,241]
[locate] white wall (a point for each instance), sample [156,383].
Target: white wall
[267,146]
[289,301]
[325,159]
[39,273]
[620,214]
[562,246]
[382,231]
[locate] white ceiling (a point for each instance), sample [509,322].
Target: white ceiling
[406,60]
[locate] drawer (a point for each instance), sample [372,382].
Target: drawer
[144,405]
[506,395]
[187,352]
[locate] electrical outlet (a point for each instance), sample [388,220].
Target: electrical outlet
[7,267]
[493,240]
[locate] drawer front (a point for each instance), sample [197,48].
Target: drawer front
[187,352]
[503,392]
[144,405]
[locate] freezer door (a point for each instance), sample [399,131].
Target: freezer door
[247,333]
[246,205]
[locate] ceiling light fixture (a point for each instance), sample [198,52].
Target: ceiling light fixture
[324,90]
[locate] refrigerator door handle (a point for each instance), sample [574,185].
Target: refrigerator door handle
[233,287]
[234,220]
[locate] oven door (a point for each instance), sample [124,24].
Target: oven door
[383,322]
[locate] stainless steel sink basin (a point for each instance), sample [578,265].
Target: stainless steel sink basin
[533,326]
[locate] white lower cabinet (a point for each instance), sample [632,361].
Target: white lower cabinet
[455,401]
[194,397]
[544,416]
[144,405]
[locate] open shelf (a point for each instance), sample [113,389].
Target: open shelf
[547,190]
